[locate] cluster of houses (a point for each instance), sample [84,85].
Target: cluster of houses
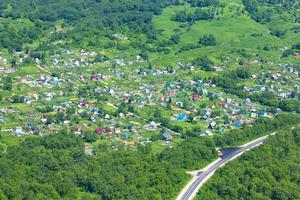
[67,59]
[284,83]
[6,70]
[234,112]
[189,101]
[42,82]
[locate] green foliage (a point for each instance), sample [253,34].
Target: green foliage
[14,34]
[175,39]
[265,10]
[18,99]
[242,73]
[55,167]
[199,14]
[90,137]
[208,40]
[204,63]
[204,3]
[191,154]
[296,46]
[45,109]
[101,58]
[290,105]
[7,83]
[88,19]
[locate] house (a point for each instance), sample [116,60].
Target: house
[65,103]
[167,137]
[77,131]
[117,130]
[199,84]
[179,104]
[181,117]
[223,104]
[253,115]
[208,133]
[220,129]
[282,95]
[236,124]
[93,77]
[153,125]
[130,127]
[24,79]
[34,128]
[125,136]
[94,111]
[44,120]
[99,131]
[212,125]
[196,97]
[49,97]
[92,119]
[109,129]
[262,113]
[19,131]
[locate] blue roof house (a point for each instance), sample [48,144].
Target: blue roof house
[167,137]
[236,124]
[125,135]
[1,119]
[262,113]
[181,117]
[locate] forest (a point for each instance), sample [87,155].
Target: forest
[265,10]
[88,18]
[268,172]
[56,167]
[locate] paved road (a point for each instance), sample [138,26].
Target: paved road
[228,154]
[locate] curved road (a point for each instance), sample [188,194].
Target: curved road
[201,177]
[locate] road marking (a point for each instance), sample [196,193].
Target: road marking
[191,189]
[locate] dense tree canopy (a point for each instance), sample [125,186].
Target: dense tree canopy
[204,63]
[87,18]
[56,167]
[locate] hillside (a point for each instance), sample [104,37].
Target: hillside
[117,99]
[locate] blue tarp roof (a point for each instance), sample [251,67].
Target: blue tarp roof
[236,123]
[182,117]
[166,136]
[262,113]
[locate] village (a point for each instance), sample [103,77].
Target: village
[87,93]
[283,82]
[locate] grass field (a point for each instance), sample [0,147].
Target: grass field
[234,31]
[27,70]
